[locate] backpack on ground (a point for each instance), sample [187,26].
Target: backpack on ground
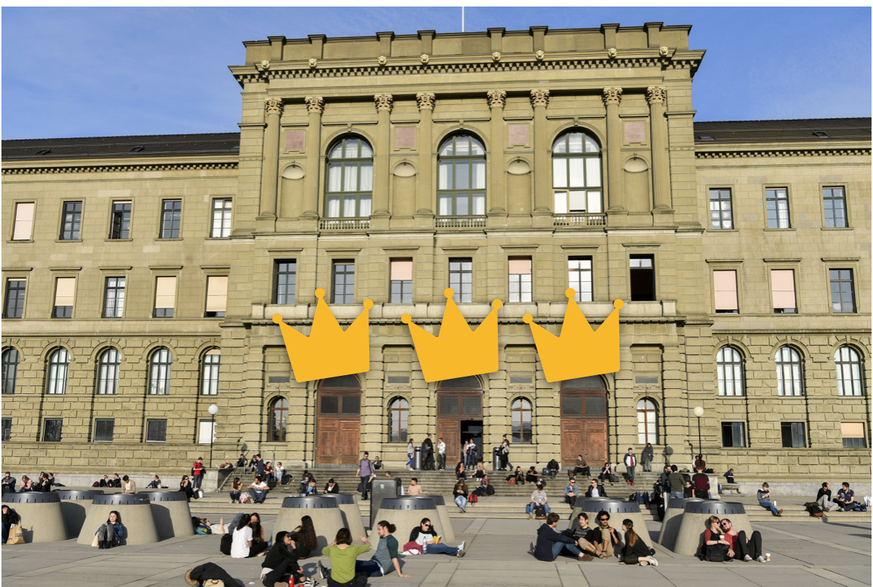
[226,543]
[814,509]
[540,512]
[715,553]
[474,498]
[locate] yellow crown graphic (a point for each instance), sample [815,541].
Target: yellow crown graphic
[458,351]
[579,351]
[328,351]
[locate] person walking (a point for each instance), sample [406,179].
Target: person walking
[441,454]
[410,455]
[366,474]
[647,457]
[428,446]
[630,463]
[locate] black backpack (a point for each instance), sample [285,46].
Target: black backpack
[540,511]
[226,543]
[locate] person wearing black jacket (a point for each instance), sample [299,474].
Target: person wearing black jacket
[428,446]
[10,518]
[426,527]
[205,572]
[550,543]
[331,487]
[281,561]
[599,489]
[635,551]
[582,533]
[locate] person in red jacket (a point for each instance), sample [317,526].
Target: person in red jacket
[197,473]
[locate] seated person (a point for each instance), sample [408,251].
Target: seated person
[311,489]
[518,475]
[551,543]
[331,487]
[581,467]
[846,498]
[305,540]
[342,554]
[605,537]
[480,472]
[552,468]
[8,483]
[242,461]
[209,571]
[537,499]
[155,484]
[823,499]
[280,563]
[580,531]
[115,481]
[186,487]
[532,476]
[729,476]
[460,471]
[385,558]
[596,490]
[26,484]
[764,499]
[414,487]
[635,551]
[485,488]
[104,482]
[716,546]
[225,465]
[689,489]
[571,492]
[258,490]
[109,535]
[10,518]
[740,548]
[425,535]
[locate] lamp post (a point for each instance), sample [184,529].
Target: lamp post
[213,409]
[698,411]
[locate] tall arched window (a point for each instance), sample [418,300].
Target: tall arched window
[398,413]
[576,176]
[107,372]
[209,376]
[461,184]
[349,179]
[730,371]
[647,421]
[848,363]
[10,370]
[159,372]
[278,419]
[789,376]
[521,421]
[57,375]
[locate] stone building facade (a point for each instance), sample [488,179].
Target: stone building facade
[508,165]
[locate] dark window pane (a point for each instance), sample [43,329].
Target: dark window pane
[120,223]
[171,219]
[471,405]
[52,430]
[571,405]
[156,431]
[352,404]
[448,405]
[330,404]
[104,430]
[14,307]
[10,370]
[72,221]
[595,406]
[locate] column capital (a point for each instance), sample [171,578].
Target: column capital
[274,106]
[314,104]
[384,102]
[425,100]
[656,94]
[539,97]
[496,99]
[612,96]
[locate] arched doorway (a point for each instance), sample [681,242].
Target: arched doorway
[459,415]
[583,420]
[339,421]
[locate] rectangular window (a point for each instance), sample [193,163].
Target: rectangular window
[221,216]
[65,294]
[23,230]
[777,208]
[72,221]
[733,434]
[156,431]
[104,429]
[642,278]
[113,302]
[344,282]
[211,372]
[207,432]
[725,284]
[14,306]
[793,435]
[842,290]
[119,227]
[171,218]
[581,278]
[461,280]
[835,207]
[783,291]
[720,212]
[853,435]
[52,428]
[401,281]
[6,433]
[216,296]
[520,286]
[285,281]
[165,297]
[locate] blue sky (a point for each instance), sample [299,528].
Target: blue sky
[70,72]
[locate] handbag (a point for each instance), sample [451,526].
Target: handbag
[474,498]
[94,543]
[511,481]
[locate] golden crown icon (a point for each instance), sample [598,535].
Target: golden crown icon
[579,351]
[458,351]
[328,351]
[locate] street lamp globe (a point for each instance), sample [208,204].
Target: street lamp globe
[213,409]
[698,411]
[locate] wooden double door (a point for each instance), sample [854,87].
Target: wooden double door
[338,441]
[584,427]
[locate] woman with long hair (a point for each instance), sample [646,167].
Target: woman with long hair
[26,484]
[518,475]
[305,540]
[460,471]
[110,534]
[635,551]
[342,555]
[280,563]
[243,545]
[460,493]
[257,529]
[235,490]
[186,487]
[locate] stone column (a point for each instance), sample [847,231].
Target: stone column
[497,179]
[315,107]
[612,99]
[384,104]
[426,102]
[657,97]
[270,169]
[543,196]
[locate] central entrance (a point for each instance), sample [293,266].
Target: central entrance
[339,421]
[459,415]
[583,421]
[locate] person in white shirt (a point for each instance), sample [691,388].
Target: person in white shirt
[258,490]
[595,490]
[538,498]
[278,472]
[242,546]
[441,454]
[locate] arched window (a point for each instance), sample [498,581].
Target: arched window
[159,373]
[521,421]
[10,370]
[107,372]
[461,184]
[57,376]
[647,421]
[576,176]
[848,371]
[278,419]
[398,412]
[789,377]
[349,179]
[730,371]
[209,377]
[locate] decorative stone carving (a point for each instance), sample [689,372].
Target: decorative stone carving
[314,104]
[425,58]
[495,56]
[540,55]
[663,51]
[425,100]
[265,65]
[539,98]
[384,102]
[496,99]
[612,96]
[274,106]
[656,94]
[383,60]
[612,52]
[313,63]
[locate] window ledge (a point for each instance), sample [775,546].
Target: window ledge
[213,238]
[118,240]
[780,230]
[19,241]
[67,240]
[715,230]
[836,228]
[164,240]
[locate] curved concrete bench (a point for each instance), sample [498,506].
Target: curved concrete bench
[42,518]
[324,511]
[351,513]
[171,513]
[672,521]
[74,506]
[406,513]
[445,525]
[694,523]
[618,511]
[136,515]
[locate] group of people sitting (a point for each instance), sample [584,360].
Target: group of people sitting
[843,502]
[45,483]
[585,543]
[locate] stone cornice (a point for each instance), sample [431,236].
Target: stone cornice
[765,152]
[114,168]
